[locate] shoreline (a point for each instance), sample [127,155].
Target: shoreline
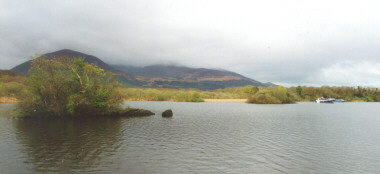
[4,100]
[225,100]
[205,100]
[8,100]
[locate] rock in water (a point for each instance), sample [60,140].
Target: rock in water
[135,113]
[167,113]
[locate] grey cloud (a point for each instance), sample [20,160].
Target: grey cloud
[287,42]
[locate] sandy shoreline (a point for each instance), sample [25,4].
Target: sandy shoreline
[8,100]
[206,100]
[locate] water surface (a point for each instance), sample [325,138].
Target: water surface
[200,138]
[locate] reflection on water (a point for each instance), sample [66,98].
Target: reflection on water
[68,144]
[6,110]
[200,138]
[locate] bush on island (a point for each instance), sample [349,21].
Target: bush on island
[271,95]
[64,86]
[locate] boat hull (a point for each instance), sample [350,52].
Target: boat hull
[324,101]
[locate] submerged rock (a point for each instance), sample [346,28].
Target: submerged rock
[167,113]
[135,113]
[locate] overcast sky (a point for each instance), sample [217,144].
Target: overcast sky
[286,42]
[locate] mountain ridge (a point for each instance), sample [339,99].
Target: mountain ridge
[24,67]
[182,72]
[158,76]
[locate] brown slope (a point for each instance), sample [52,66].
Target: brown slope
[10,76]
[9,73]
[185,77]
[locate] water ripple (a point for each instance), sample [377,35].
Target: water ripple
[200,138]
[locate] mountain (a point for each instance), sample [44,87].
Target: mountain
[123,77]
[158,76]
[168,76]
[269,84]
[24,67]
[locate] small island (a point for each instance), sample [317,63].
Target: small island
[70,87]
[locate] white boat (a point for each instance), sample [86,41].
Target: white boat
[331,99]
[323,100]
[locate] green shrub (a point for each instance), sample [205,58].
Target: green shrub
[264,98]
[64,86]
[12,89]
[196,97]
[249,90]
[271,95]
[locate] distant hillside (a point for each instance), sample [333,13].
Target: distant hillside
[24,67]
[7,76]
[178,72]
[158,76]
[185,77]
[123,77]
[269,84]
[9,73]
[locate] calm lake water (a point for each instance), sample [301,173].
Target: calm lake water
[200,138]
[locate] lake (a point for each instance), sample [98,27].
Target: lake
[218,137]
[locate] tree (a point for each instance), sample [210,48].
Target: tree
[299,90]
[66,86]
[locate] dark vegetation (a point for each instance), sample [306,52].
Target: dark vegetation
[70,87]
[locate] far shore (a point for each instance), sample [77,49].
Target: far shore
[8,100]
